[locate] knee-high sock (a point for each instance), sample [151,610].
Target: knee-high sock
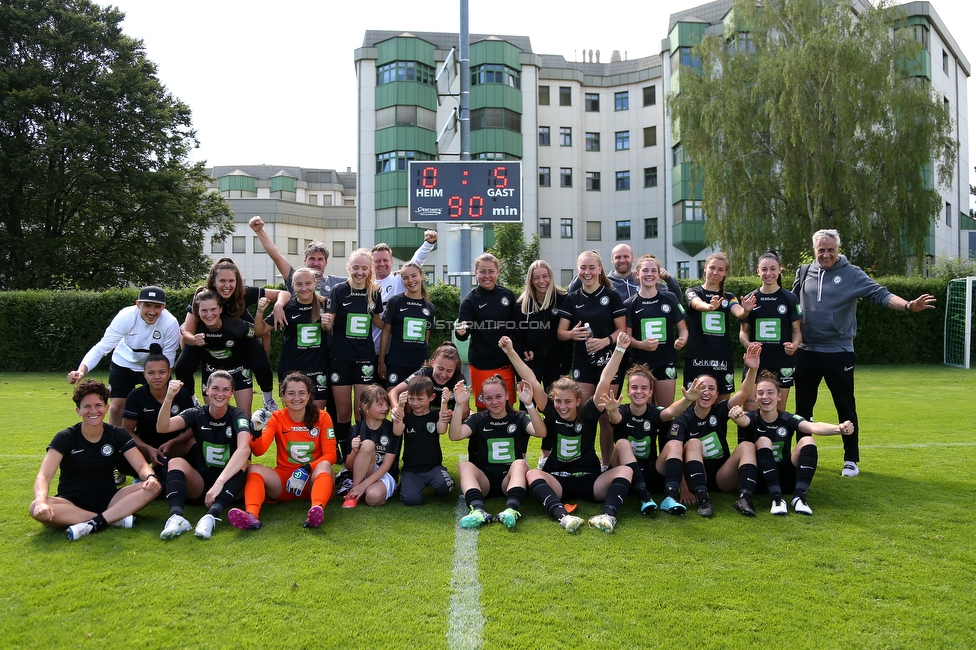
[232,488]
[473,498]
[342,437]
[806,467]
[769,471]
[254,493]
[616,494]
[695,469]
[673,468]
[175,491]
[748,476]
[638,482]
[322,489]
[515,497]
[546,496]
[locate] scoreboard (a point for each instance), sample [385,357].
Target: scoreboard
[464,191]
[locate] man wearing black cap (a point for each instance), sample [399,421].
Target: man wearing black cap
[130,337]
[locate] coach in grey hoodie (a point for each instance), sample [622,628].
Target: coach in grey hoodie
[828,291]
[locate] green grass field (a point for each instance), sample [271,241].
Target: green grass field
[886,561]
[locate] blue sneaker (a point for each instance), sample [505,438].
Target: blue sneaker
[508,516]
[475,519]
[673,506]
[648,507]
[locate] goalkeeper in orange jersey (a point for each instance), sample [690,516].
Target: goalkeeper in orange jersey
[306,444]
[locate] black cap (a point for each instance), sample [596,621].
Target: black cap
[152,294]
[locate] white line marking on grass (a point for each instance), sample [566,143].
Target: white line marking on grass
[466,620]
[921,445]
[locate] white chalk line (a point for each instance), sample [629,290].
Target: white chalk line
[466,620]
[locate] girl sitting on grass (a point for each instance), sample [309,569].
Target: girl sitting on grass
[306,448]
[86,453]
[375,451]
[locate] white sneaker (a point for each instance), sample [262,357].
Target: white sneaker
[604,522]
[571,523]
[205,527]
[175,525]
[778,508]
[270,404]
[850,469]
[125,522]
[801,507]
[77,531]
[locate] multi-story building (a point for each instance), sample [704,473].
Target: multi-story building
[297,205]
[599,165]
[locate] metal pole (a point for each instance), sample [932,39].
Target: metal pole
[465,119]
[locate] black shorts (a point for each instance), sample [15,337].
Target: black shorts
[122,381]
[92,501]
[398,374]
[349,373]
[665,373]
[720,369]
[495,477]
[578,487]
[712,466]
[784,375]
[585,373]
[652,478]
[240,375]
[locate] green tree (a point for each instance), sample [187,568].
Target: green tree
[804,117]
[95,187]
[514,253]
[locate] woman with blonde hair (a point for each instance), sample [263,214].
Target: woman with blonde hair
[354,310]
[536,338]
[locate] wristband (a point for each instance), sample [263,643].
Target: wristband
[620,350]
[530,405]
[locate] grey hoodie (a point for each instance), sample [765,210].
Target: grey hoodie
[828,298]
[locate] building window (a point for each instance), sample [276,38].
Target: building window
[496,118]
[593,231]
[592,181]
[565,177]
[339,249]
[260,282]
[650,228]
[565,96]
[650,177]
[543,136]
[650,136]
[592,102]
[566,228]
[677,156]
[543,95]
[545,228]
[621,101]
[948,215]
[623,180]
[238,245]
[592,141]
[496,73]
[623,230]
[683,270]
[650,95]
[945,62]
[701,268]
[565,136]
[622,140]
[293,246]
[406,116]
[256,245]
[493,155]
[544,180]
[404,71]
[565,277]
[392,161]
[216,246]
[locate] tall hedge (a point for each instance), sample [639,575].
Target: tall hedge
[52,330]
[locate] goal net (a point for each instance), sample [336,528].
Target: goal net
[960,304]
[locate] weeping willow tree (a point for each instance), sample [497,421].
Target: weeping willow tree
[807,116]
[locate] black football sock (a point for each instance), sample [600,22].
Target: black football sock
[233,487]
[175,491]
[546,496]
[695,470]
[98,521]
[806,467]
[748,475]
[769,471]
[515,497]
[473,498]
[673,468]
[640,487]
[616,494]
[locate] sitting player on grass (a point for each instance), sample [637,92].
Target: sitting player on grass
[634,433]
[421,429]
[772,430]
[306,448]
[374,451]
[497,440]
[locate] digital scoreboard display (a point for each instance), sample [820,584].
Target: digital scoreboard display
[466,190]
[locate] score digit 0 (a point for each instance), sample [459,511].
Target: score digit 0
[428,179]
